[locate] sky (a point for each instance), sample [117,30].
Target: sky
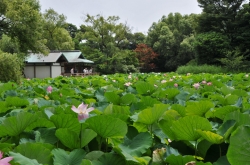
[137,14]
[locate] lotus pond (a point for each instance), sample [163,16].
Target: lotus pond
[134,119]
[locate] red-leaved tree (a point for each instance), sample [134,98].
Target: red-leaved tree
[145,55]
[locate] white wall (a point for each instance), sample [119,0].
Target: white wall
[42,71]
[56,71]
[29,71]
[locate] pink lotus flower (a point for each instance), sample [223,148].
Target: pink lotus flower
[82,111]
[196,85]
[171,79]
[4,161]
[163,81]
[128,84]
[49,89]
[203,82]
[209,83]
[129,76]
[176,85]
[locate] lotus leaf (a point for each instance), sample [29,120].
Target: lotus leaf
[179,160]
[225,90]
[86,162]
[185,128]
[241,119]
[179,108]
[128,99]
[66,121]
[151,115]
[226,128]
[94,155]
[109,158]
[198,108]
[222,111]
[239,148]
[3,106]
[36,151]
[135,147]
[61,157]
[171,93]
[19,158]
[46,135]
[144,88]
[16,101]
[165,125]
[107,126]
[112,97]
[211,137]
[14,125]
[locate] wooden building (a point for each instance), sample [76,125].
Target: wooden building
[54,64]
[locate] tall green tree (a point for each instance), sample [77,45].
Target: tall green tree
[72,29]
[58,38]
[243,32]
[104,41]
[210,47]
[9,45]
[21,20]
[166,36]
[227,18]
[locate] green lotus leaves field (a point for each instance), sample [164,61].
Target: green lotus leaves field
[139,119]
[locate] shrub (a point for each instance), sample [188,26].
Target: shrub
[10,65]
[200,69]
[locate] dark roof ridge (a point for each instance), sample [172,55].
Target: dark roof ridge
[57,51]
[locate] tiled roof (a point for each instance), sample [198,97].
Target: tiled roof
[52,57]
[40,58]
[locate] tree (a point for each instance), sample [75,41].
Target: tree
[104,40]
[10,65]
[186,51]
[166,36]
[21,20]
[211,46]
[9,45]
[146,57]
[229,19]
[72,29]
[134,39]
[233,60]
[58,38]
[242,40]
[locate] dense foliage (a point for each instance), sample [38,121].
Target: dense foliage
[171,38]
[106,42]
[226,19]
[146,57]
[140,119]
[218,36]
[10,65]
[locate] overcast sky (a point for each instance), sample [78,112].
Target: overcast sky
[138,14]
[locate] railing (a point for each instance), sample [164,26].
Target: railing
[80,74]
